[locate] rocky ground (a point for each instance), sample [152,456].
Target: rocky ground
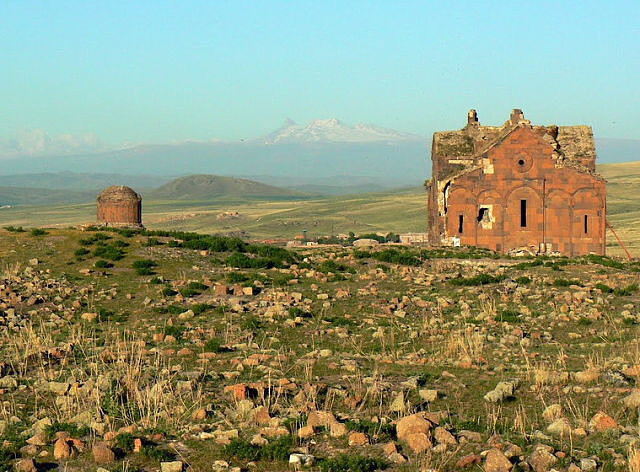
[167,351]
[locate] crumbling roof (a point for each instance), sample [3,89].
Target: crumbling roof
[577,143]
[574,143]
[118,193]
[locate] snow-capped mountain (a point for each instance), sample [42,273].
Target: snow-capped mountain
[334,131]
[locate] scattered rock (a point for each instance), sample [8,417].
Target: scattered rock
[602,422]
[102,454]
[541,459]
[174,466]
[26,465]
[496,461]
[358,439]
[560,427]
[502,392]
[61,449]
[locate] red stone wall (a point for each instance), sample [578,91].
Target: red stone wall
[120,213]
[557,201]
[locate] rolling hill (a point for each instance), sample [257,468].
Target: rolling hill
[40,196]
[206,187]
[80,181]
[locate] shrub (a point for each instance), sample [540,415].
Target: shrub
[279,279]
[144,264]
[481,279]
[236,277]
[352,463]
[197,286]
[101,237]
[604,260]
[108,315]
[508,316]
[276,450]
[157,454]
[74,430]
[109,252]
[15,229]
[626,291]
[335,267]
[102,264]
[175,331]
[81,252]
[213,345]
[189,292]
[395,256]
[38,232]
[200,308]
[125,442]
[168,292]
[340,321]
[242,449]
[383,431]
[604,288]
[174,309]
[251,323]
[295,311]
[152,242]
[523,280]
[566,283]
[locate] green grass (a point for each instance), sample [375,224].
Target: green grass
[481,279]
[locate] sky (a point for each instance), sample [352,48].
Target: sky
[161,71]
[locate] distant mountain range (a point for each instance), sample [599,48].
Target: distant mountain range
[333,130]
[323,149]
[323,156]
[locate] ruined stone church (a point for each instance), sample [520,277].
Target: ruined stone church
[517,186]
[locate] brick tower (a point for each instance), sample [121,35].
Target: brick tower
[120,206]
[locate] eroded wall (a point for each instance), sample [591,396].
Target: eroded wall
[120,213]
[564,209]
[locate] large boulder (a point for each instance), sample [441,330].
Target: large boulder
[496,461]
[415,431]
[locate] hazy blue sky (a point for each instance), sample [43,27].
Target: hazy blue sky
[155,71]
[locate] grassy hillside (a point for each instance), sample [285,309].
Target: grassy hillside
[208,187]
[140,352]
[41,196]
[623,187]
[80,181]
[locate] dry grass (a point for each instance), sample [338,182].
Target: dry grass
[120,382]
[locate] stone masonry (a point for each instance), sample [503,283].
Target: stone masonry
[119,206]
[517,186]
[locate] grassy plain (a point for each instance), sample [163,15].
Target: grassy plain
[397,211]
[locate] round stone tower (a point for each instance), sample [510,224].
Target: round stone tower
[120,206]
